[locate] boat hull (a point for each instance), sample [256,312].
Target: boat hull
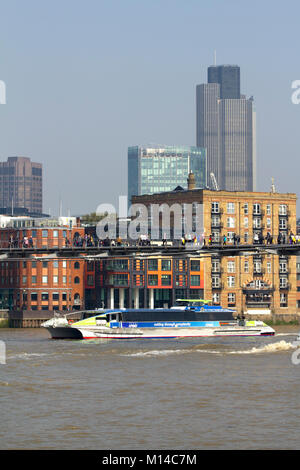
[163,333]
[64,332]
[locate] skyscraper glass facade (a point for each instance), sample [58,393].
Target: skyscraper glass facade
[163,168]
[226,128]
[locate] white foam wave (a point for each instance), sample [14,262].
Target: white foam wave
[27,355]
[269,348]
[157,353]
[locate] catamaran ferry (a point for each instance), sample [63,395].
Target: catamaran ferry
[189,318]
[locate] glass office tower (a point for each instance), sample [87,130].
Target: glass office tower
[153,169]
[226,128]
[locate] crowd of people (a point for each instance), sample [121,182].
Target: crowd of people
[89,240]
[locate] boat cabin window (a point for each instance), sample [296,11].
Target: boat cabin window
[114,317]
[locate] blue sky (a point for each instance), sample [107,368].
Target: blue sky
[87,79]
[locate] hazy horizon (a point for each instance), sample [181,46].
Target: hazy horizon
[86,80]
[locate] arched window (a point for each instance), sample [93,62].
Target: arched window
[76,280]
[76,265]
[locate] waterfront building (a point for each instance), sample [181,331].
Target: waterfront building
[226,127]
[21,185]
[41,282]
[161,168]
[247,282]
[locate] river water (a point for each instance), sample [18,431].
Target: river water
[233,393]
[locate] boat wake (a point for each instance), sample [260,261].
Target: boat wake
[269,348]
[278,346]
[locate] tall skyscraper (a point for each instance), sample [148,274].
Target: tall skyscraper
[153,169]
[21,185]
[226,127]
[228,77]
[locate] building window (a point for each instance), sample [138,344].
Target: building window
[216,298]
[257,266]
[195,265]
[33,279]
[152,279]
[215,237]
[256,223]
[231,267]
[64,296]
[76,265]
[231,299]
[256,209]
[268,209]
[283,282]
[215,265]
[55,233]
[45,233]
[231,281]
[90,279]
[246,208]
[34,296]
[230,208]
[64,279]
[45,279]
[268,222]
[55,296]
[195,280]
[45,296]
[45,264]
[215,282]
[283,300]
[246,266]
[246,237]
[246,222]
[215,221]
[269,267]
[55,264]
[282,209]
[230,222]
[55,279]
[76,280]
[166,265]
[215,208]
[24,279]
[152,265]
[283,266]
[64,263]
[282,224]
[165,280]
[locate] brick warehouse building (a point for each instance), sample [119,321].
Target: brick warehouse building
[247,283]
[35,283]
[152,281]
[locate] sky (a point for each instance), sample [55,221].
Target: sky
[87,79]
